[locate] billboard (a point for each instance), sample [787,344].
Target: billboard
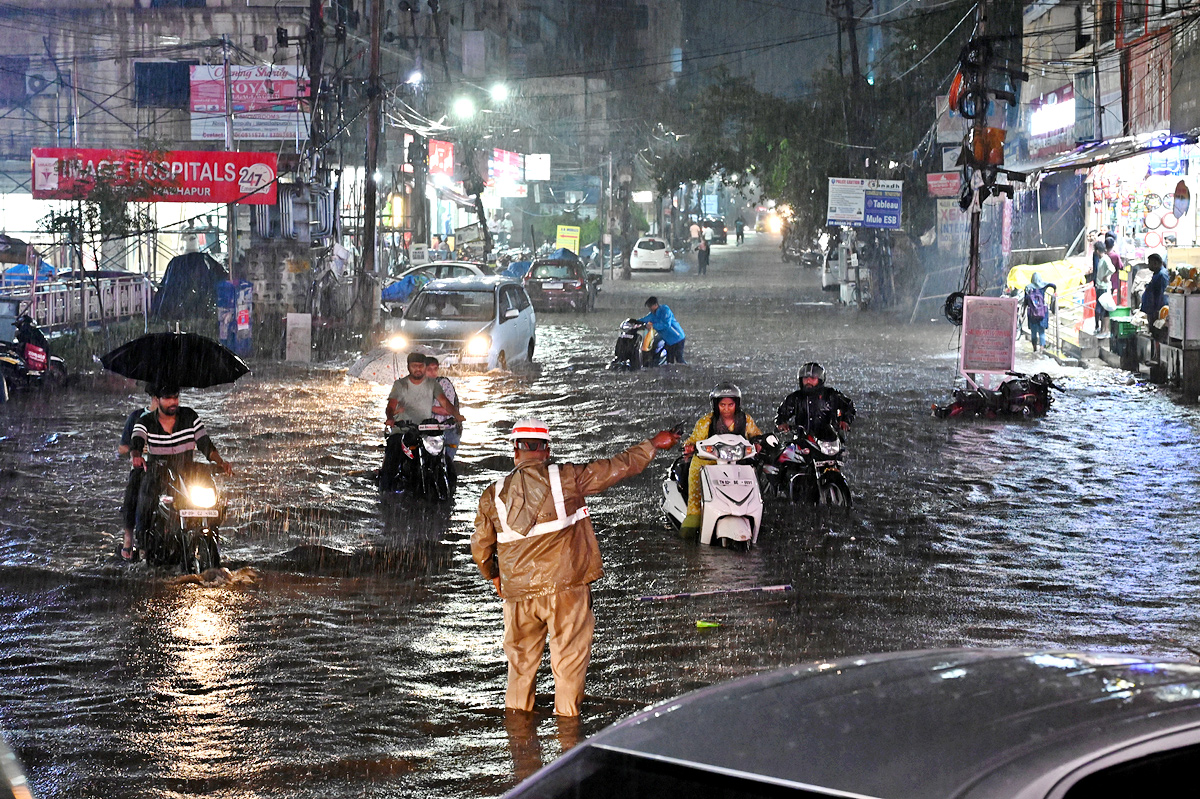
[269,102]
[441,158]
[66,173]
[944,184]
[989,335]
[865,203]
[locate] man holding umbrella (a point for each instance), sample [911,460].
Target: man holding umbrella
[166,438]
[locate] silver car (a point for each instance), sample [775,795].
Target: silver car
[481,322]
[966,723]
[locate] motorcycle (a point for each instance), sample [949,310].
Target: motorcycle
[423,468]
[731,503]
[638,345]
[1021,397]
[26,360]
[806,468]
[184,530]
[792,251]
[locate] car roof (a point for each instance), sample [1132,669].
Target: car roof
[933,723]
[469,264]
[470,283]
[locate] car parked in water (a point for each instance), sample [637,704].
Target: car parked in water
[651,253]
[966,723]
[404,287]
[474,322]
[561,285]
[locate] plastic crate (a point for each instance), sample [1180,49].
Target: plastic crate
[1122,329]
[1120,312]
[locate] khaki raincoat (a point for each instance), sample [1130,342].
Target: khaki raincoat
[533,563]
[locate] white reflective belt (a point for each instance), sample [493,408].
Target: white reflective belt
[562,521]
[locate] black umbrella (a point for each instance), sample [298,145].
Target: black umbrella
[180,359]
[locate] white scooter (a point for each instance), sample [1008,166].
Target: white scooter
[730,505]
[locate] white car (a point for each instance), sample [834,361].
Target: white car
[480,322]
[651,253]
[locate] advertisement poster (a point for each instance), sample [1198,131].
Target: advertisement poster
[441,158]
[989,335]
[953,228]
[944,184]
[568,238]
[865,203]
[269,102]
[64,173]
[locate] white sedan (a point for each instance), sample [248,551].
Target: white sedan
[651,253]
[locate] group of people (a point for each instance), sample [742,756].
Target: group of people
[423,393]
[534,540]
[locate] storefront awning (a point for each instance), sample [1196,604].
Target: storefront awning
[1094,154]
[454,197]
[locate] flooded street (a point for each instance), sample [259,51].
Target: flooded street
[357,651]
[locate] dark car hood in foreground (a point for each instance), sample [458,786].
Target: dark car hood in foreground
[920,724]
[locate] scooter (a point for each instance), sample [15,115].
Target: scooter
[423,469]
[638,345]
[806,468]
[26,360]
[731,503]
[1021,397]
[184,530]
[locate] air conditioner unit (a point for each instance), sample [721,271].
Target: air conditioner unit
[41,83]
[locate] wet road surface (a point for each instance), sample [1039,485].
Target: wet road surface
[357,650]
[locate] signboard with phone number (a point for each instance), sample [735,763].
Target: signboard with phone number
[865,203]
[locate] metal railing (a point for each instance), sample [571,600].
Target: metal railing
[59,304]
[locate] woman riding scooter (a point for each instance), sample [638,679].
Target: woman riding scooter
[726,417]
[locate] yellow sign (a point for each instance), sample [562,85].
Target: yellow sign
[568,238]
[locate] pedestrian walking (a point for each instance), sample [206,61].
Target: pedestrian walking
[739,228]
[1037,310]
[534,540]
[702,255]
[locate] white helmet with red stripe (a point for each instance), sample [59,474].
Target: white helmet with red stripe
[530,428]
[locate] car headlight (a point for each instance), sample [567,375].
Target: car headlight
[202,496]
[397,342]
[479,345]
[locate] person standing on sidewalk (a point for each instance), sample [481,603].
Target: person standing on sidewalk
[534,541]
[702,254]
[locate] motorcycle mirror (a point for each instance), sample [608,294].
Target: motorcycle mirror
[679,429]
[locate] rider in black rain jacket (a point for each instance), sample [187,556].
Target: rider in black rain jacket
[815,407]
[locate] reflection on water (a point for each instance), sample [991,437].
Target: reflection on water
[356,651]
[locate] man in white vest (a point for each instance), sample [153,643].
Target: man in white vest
[533,539]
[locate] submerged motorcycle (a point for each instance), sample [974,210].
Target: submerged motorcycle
[638,345]
[806,468]
[1020,397]
[184,530]
[731,504]
[423,469]
[26,360]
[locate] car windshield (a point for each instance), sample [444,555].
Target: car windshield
[553,272]
[453,306]
[651,244]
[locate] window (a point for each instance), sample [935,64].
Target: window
[162,84]
[1108,20]
[1158,774]
[12,80]
[1082,40]
[508,300]
[458,306]
[522,299]
[652,244]
[552,272]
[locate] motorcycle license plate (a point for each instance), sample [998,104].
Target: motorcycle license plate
[189,513]
[552,286]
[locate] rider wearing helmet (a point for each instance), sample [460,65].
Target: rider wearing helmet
[815,408]
[727,417]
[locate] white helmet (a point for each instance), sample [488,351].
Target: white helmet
[530,427]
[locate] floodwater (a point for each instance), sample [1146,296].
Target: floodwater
[356,650]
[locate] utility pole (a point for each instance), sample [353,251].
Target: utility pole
[316,63]
[367,307]
[231,208]
[978,136]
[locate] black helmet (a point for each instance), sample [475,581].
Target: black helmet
[811,369]
[724,390]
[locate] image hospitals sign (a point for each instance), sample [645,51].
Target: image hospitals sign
[61,173]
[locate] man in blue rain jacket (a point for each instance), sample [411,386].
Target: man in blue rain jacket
[667,327]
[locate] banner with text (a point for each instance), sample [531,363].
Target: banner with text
[63,173]
[989,335]
[269,102]
[567,238]
[865,203]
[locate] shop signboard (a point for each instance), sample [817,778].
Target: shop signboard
[944,184]
[505,165]
[865,203]
[1052,122]
[269,102]
[950,125]
[953,227]
[537,166]
[65,173]
[567,238]
[441,158]
[989,335]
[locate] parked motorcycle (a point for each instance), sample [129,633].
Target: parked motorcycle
[731,503]
[806,468]
[184,531]
[1020,397]
[423,468]
[638,345]
[26,361]
[792,251]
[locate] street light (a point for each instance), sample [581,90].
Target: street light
[464,108]
[415,78]
[499,92]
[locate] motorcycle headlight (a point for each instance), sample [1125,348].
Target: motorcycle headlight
[479,345]
[830,447]
[433,444]
[202,496]
[397,343]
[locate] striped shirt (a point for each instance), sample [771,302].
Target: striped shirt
[175,448]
